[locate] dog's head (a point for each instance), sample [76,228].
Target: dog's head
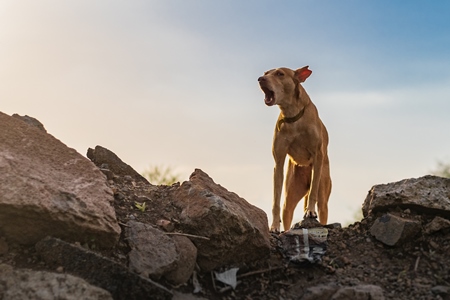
[280,85]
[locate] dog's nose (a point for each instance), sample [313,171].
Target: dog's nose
[262,78]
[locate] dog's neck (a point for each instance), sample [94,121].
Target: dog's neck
[295,110]
[293,119]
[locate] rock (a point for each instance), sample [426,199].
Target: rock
[30,121]
[47,188]
[185,264]
[333,292]
[182,296]
[333,226]
[99,271]
[320,292]
[437,224]
[166,225]
[28,284]
[441,290]
[238,231]
[359,292]
[103,157]
[152,252]
[429,194]
[307,223]
[3,246]
[392,230]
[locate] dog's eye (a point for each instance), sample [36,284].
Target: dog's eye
[279,73]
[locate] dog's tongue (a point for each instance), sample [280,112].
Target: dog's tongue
[269,99]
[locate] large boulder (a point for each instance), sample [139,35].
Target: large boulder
[429,194]
[47,188]
[28,284]
[233,230]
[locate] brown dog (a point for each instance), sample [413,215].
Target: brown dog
[299,133]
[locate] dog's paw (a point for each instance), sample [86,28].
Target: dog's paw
[310,214]
[275,225]
[274,229]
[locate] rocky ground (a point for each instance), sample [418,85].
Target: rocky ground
[400,250]
[419,268]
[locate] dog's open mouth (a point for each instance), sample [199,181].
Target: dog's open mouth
[270,96]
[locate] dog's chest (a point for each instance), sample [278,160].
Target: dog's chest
[301,156]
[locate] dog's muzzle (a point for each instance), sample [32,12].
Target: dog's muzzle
[269,94]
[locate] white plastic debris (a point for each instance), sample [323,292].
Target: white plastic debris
[196,283]
[302,245]
[228,277]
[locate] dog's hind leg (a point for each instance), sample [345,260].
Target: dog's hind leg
[324,194]
[298,179]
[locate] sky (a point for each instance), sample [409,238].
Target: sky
[173,83]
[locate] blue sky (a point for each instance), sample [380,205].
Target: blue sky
[174,83]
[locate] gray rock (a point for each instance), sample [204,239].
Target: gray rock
[28,284]
[3,246]
[441,290]
[392,230]
[238,231]
[320,292]
[333,226]
[359,292]
[47,188]
[182,296]
[437,224]
[99,271]
[152,252]
[187,258]
[30,121]
[103,157]
[334,292]
[429,194]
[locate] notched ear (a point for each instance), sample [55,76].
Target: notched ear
[303,73]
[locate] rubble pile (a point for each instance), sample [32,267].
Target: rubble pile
[94,228]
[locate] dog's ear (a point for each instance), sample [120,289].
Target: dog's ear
[303,73]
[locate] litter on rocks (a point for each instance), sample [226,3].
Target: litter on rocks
[228,277]
[304,245]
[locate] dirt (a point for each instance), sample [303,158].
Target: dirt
[353,256]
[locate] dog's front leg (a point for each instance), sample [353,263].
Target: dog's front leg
[279,155]
[277,188]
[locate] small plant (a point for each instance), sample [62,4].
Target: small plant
[442,169]
[161,176]
[140,206]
